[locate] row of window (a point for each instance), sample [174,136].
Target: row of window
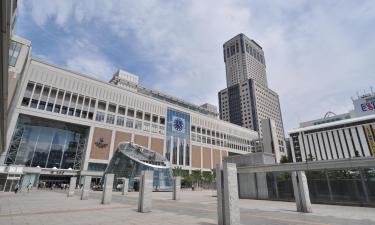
[204,135]
[64,102]
[333,144]
[128,122]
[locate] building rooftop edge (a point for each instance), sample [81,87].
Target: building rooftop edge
[340,122]
[122,89]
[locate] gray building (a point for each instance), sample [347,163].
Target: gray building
[247,100]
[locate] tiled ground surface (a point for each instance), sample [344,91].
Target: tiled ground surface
[54,208]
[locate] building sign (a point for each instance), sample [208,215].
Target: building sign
[370,138]
[101,143]
[364,106]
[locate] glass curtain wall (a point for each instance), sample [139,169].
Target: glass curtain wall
[178,137]
[47,143]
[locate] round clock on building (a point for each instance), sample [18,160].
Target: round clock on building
[178,124]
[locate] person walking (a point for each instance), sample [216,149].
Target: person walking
[16,188]
[29,187]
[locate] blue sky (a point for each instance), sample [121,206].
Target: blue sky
[318,53]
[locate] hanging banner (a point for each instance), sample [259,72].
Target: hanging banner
[370,138]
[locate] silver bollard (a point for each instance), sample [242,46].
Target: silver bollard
[176,188]
[145,191]
[86,188]
[107,188]
[72,186]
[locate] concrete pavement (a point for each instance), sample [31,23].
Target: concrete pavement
[199,207]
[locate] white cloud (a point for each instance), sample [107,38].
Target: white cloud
[318,53]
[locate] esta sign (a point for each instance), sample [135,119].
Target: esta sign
[368,106]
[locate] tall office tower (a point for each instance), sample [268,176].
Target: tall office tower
[247,100]
[244,59]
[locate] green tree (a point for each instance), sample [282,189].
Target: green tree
[284,159]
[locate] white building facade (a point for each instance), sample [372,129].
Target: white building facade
[66,122]
[338,137]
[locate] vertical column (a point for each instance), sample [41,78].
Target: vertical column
[145,191]
[107,189]
[125,186]
[72,186]
[86,188]
[301,191]
[232,211]
[262,187]
[329,186]
[219,191]
[176,188]
[364,186]
[227,193]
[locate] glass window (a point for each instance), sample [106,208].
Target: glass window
[121,110]
[52,96]
[74,101]
[155,118]
[60,97]
[129,123]
[131,112]
[77,113]
[67,99]
[64,110]
[162,120]
[102,105]
[199,138]
[97,167]
[25,101]
[139,115]
[37,91]
[14,51]
[138,125]
[147,116]
[110,119]
[42,105]
[120,121]
[84,114]
[161,130]
[100,116]
[112,108]
[80,102]
[154,128]
[49,107]
[146,127]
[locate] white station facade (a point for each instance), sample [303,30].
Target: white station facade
[62,123]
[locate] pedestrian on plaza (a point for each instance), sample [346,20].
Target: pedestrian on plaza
[16,188]
[29,187]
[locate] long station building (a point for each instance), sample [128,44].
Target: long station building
[66,123]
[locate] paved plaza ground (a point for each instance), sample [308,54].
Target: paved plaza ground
[199,207]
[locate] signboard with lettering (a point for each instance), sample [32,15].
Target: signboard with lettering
[370,138]
[364,106]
